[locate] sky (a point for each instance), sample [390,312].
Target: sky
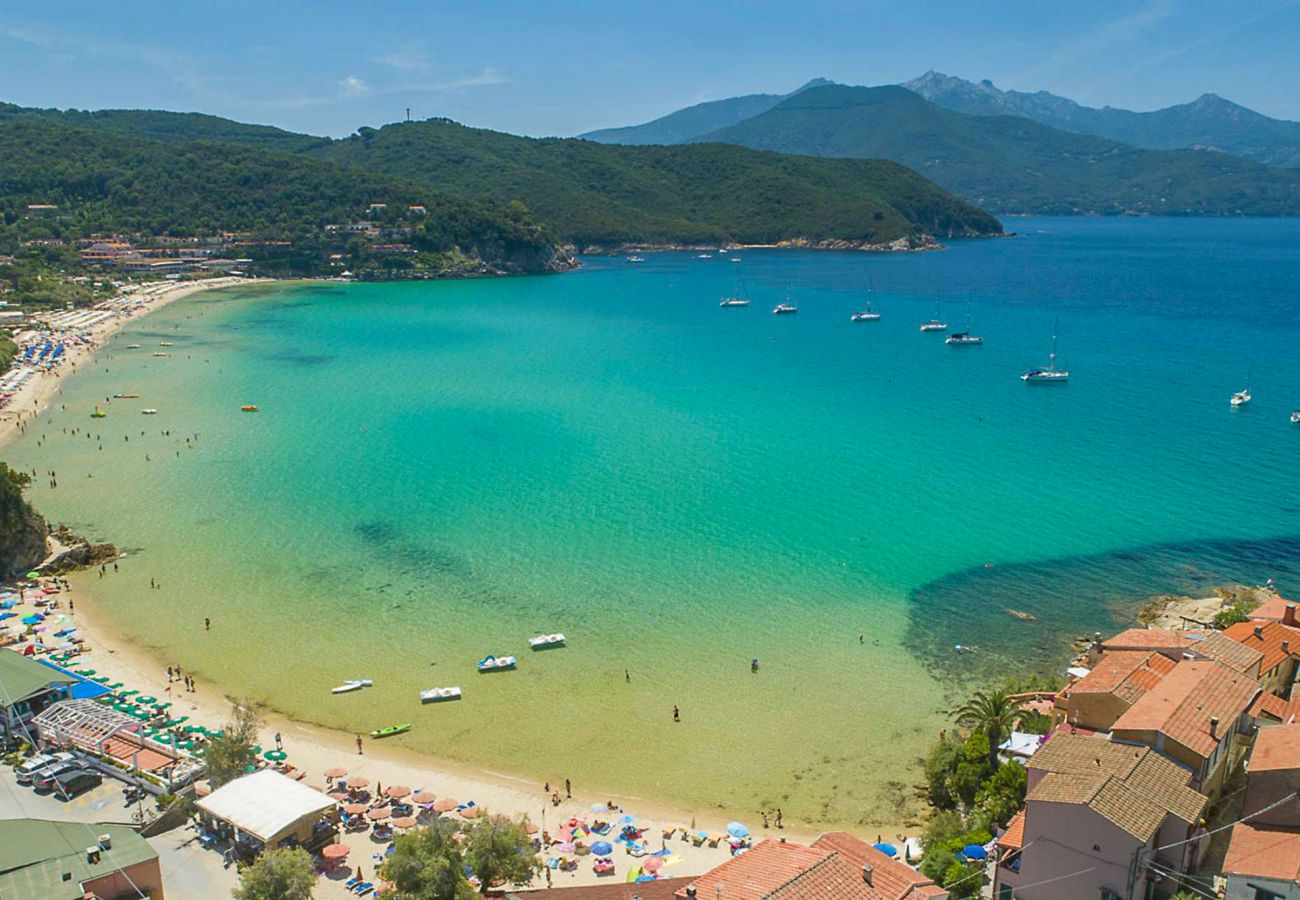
[536,68]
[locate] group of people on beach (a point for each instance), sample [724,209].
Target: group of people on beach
[174,674]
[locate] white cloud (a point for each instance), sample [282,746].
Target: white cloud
[352,86]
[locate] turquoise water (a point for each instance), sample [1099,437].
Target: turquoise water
[441,470]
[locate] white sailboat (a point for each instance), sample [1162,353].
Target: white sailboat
[1051,374]
[964,338]
[869,314]
[935,324]
[787,308]
[738,298]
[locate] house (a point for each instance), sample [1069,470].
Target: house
[265,809]
[1096,816]
[27,688]
[107,252]
[1276,609]
[1117,681]
[72,860]
[837,865]
[1263,858]
[1191,717]
[1279,647]
[1177,644]
[663,889]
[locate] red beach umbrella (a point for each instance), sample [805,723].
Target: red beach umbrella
[337,772]
[404,822]
[397,791]
[336,851]
[340,796]
[358,782]
[378,815]
[423,797]
[446,804]
[355,809]
[470,812]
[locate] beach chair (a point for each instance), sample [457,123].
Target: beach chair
[364,888]
[352,882]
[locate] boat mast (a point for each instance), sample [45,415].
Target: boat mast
[1051,364]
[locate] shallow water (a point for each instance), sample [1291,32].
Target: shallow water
[441,470]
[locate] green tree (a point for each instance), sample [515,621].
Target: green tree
[230,754]
[428,864]
[277,875]
[1000,797]
[993,713]
[499,851]
[973,768]
[940,770]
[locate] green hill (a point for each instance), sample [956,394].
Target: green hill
[106,183]
[597,194]
[1011,164]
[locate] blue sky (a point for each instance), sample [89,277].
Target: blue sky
[534,68]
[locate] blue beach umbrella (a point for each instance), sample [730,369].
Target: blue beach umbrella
[602,848]
[736,830]
[33,619]
[888,849]
[974,852]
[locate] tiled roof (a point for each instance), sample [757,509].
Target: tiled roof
[1165,782]
[1110,671]
[1274,608]
[1014,837]
[1270,705]
[1221,646]
[1074,754]
[1268,643]
[1263,853]
[1292,713]
[1148,639]
[1276,749]
[890,879]
[1182,705]
[1107,796]
[758,872]
[646,890]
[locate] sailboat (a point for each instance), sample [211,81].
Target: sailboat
[869,314]
[1050,375]
[935,324]
[787,308]
[964,338]
[738,298]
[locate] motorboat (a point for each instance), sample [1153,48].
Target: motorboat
[496,663]
[1051,374]
[133,346]
[546,641]
[164,343]
[126,396]
[248,407]
[438,695]
[150,411]
[1295,417]
[1241,398]
[636,259]
[704,256]
[159,353]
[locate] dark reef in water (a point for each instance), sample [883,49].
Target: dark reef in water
[1069,598]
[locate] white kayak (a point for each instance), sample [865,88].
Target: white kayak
[149,412]
[434,695]
[542,641]
[354,684]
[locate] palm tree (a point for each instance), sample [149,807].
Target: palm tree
[995,714]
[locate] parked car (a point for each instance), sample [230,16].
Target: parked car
[77,781]
[45,780]
[35,766]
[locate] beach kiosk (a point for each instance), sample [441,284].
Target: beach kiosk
[26,689]
[266,810]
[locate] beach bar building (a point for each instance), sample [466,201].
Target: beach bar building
[26,689]
[73,861]
[266,810]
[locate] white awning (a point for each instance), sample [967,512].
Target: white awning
[265,804]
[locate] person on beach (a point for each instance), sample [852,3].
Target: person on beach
[546,788]
[207,624]
[568,789]
[677,713]
[627,676]
[169,674]
[779,822]
[753,665]
[359,745]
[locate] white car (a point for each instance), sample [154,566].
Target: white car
[37,764]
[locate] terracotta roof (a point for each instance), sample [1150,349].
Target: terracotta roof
[890,879]
[758,872]
[1107,796]
[1292,713]
[646,890]
[1230,652]
[1161,663]
[1110,671]
[1276,749]
[1182,705]
[1166,783]
[1268,643]
[1263,853]
[1274,608]
[1148,639]
[1014,837]
[1075,755]
[1270,705]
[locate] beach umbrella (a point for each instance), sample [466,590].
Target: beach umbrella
[652,864]
[736,830]
[888,849]
[355,809]
[336,772]
[469,812]
[423,797]
[33,619]
[276,755]
[567,847]
[340,796]
[530,828]
[602,848]
[358,782]
[147,701]
[397,791]
[446,804]
[379,814]
[404,822]
[336,851]
[974,852]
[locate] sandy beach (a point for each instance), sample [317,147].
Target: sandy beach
[39,392]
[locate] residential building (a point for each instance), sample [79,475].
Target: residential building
[107,252]
[1101,820]
[837,865]
[1279,646]
[1117,681]
[1178,644]
[73,860]
[1192,717]
[26,689]
[1276,609]
[1263,858]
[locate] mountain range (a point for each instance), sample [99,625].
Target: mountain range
[1008,163]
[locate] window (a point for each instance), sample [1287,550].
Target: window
[1004,892]
[1107,894]
[1262,894]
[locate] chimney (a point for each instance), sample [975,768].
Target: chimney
[1214,727]
[1286,646]
[867,869]
[105,842]
[690,891]
[1288,615]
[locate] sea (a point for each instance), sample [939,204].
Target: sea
[439,471]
